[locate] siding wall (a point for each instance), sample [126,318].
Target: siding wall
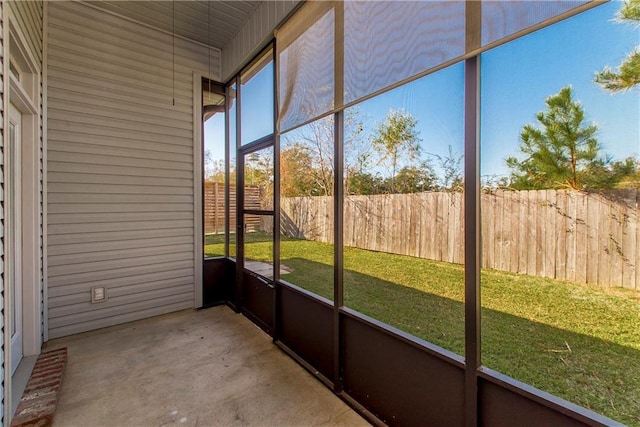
[120,195]
[254,34]
[2,257]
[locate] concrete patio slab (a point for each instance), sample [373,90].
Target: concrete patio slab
[192,368]
[264,268]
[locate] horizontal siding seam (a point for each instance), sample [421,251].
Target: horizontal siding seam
[128,317]
[105,313]
[123,282]
[115,301]
[63,146]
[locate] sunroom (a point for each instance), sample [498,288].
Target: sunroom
[431,206]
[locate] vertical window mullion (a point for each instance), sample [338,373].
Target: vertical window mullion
[276,200]
[338,193]
[472,242]
[239,200]
[227,173]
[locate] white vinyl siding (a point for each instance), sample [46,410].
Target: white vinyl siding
[254,34]
[2,217]
[120,168]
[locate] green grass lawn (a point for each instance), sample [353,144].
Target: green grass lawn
[578,342]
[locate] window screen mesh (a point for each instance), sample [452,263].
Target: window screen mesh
[501,19]
[386,42]
[306,55]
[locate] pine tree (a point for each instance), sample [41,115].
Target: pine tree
[563,151]
[628,74]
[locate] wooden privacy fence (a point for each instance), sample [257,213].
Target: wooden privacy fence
[214,204]
[567,235]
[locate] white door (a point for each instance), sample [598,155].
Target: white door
[13,189]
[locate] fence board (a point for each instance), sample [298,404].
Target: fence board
[582,238]
[348,221]
[628,243]
[617,223]
[593,255]
[636,259]
[532,240]
[457,209]
[604,243]
[550,234]
[463,226]
[538,198]
[432,225]
[523,233]
[416,214]
[513,210]
[489,239]
[440,226]
[571,236]
[425,226]
[378,238]
[214,206]
[560,214]
[503,235]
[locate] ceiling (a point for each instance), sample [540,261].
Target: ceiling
[209,22]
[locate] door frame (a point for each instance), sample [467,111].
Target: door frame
[241,152]
[24,91]
[13,235]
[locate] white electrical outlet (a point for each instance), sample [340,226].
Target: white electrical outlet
[98,294]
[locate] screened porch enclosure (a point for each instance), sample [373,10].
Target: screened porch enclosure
[430,206]
[400,256]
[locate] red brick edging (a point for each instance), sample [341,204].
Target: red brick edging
[38,403]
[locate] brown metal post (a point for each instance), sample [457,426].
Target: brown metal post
[338,194]
[276,201]
[239,201]
[472,243]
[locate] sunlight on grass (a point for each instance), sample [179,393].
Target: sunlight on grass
[579,342]
[214,245]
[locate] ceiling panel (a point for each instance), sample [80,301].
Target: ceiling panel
[210,22]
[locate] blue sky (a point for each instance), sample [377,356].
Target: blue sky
[518,76]
[257,104]
[516,79]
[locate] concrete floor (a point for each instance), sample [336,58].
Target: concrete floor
[192,368]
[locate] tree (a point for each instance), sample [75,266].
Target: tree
[364,183]
[621,173]
[213,169]
[564,151]
[315,142]
[414,179]
[628,74]
[397,141]
[451,166]
[258,171]
[295,165]
[356,150]
[631,177]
